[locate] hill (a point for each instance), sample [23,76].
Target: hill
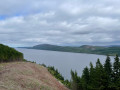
[27,76]
[8,54]
[102,50]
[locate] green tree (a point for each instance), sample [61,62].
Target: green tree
[108,71]
[92,77]
[116,68]
[85,78]
[100,76]
[116,72]
[75,81]
[108,66]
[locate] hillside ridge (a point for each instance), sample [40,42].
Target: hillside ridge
[102,50]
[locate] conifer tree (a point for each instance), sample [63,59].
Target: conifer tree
[100,76]
[73,81]
[92,77]
[76,81]
[108,72]
[116,65]
[116,71]
[85,78]
[108,66]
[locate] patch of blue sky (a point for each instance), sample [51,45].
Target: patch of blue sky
[8,16]
[2,17]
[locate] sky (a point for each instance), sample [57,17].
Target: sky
[59,22]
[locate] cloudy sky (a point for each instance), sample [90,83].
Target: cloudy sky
[60,22]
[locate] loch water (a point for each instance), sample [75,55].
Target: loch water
[63,61]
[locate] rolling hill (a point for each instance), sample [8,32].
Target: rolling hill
[102,50]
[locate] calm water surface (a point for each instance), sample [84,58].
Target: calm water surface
[63,61]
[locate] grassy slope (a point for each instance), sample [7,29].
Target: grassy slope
[27,76]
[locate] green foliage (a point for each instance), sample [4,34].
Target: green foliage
[108,71]
[92,74]
[116,71]
[43,65]
[85,78]
[8,54]
[108,66]
[75,81]
[55,72]
[100,77]
[58,76]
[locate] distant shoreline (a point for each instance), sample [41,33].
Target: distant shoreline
[66,52]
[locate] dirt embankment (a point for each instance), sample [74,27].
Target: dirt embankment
[27,76]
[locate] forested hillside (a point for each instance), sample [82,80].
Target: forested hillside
[8,54]
[102,50]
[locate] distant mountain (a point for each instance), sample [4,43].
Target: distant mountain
[103,50]
[53,47]
[114,46]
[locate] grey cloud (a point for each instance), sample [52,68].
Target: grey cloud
[71,22]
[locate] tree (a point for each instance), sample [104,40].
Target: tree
[75,81]
[100,76]
[108,66]
[108,72]
[116,71]
[85,78]
[116,68]
[92,77]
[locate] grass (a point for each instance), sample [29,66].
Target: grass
[27,76]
